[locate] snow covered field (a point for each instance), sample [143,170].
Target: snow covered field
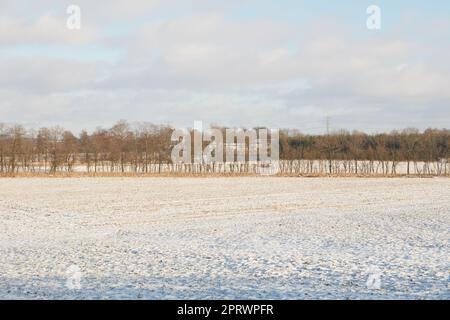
[198,238]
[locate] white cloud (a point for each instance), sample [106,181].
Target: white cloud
[45,75]
[47,29]
[207,66]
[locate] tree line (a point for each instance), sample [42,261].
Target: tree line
[145,148]
[425,153]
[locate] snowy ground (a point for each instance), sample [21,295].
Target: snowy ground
[202,238]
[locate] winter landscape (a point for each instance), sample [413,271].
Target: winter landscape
[199,150]
[225,238]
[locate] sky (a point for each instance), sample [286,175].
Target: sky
[281,64]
